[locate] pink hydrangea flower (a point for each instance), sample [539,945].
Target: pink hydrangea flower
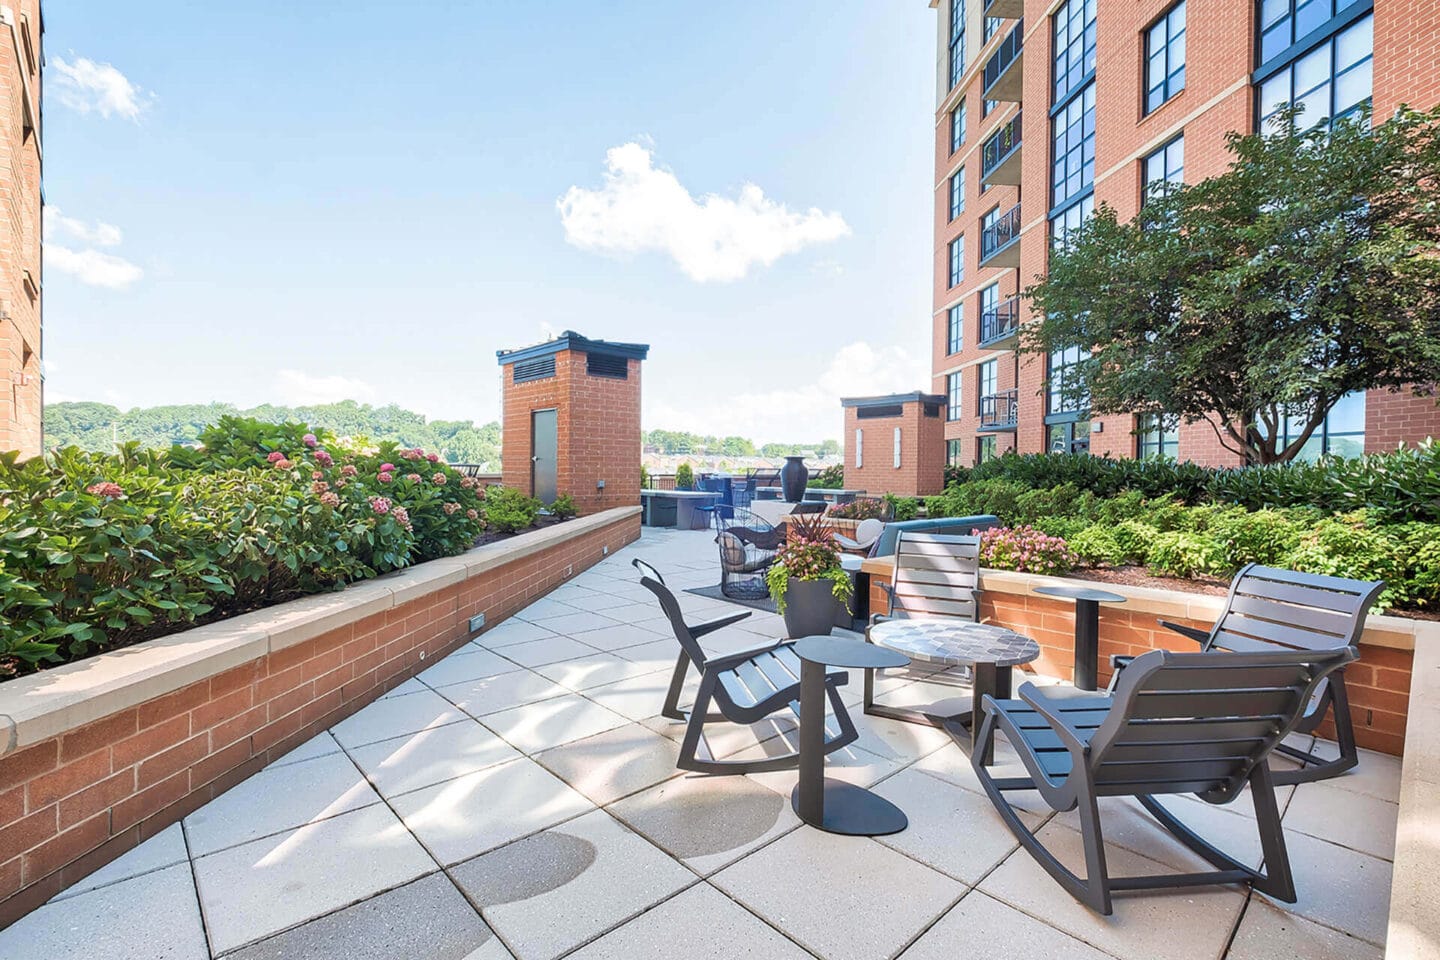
[316,475]
[275,456]
[451,508]
[310,440]
[380,504]
[385,476]
[402,516]
[439,479]
[414,477]
[409,454]
[105,489]
[330,499]
[319,487]
[283,464]
[433,457]
[387,468]
[472,514]
[348,470]
[324,459]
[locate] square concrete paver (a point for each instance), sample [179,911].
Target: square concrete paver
[146,917]
[278,799]
[511,632]
[592,671]
[468,663]
[616,637]
[640,698]
[596,602]
[316,746]
[700,923]
[821,889]
[708,822]
[615,763]
[461,818]
[420,759]
[1268,933]
[552,891]
[537,653]
[1339,887]
[1347,817]
[549,723]
[253,891]
[575,622]
[387,719]
[546,607]
[982,928]
[165,849]
[493,694]
[425,919]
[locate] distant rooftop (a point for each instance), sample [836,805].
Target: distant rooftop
[570,340]
[892,398]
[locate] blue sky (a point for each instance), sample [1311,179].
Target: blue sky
[319,200]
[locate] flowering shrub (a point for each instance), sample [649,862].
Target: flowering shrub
[808,553]
[1026,549]
[861,508]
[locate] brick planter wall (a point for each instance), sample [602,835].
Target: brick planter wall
[1378,683]
[96,764]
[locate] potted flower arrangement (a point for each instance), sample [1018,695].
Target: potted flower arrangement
[810,588]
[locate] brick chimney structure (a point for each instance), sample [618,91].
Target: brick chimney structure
[571,420]
[895,444]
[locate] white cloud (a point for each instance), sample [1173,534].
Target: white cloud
[297,388]
[806,412]
[642,207]
[89,87]
[89,266]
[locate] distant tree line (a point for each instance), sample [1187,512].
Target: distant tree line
[97,426]
[681,442]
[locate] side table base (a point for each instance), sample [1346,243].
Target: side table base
[854,811]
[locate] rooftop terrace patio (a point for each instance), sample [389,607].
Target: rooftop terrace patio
[520,799]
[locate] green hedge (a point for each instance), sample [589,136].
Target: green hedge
[103,550]
[1171,538]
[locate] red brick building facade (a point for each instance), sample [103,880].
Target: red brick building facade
[895,444]
[1046,110]
[21,63]
[572,406]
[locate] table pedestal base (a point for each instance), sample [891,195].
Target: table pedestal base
[853,811]
[962,728]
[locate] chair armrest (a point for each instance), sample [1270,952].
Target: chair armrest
[710,626]
[1119,661]
[1068,735]
[1199,636]
[740,656]
[846,542]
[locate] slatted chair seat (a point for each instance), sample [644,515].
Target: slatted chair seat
[1177,723]
[1271,609]
[746,686]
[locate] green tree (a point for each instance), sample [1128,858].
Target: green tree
[1306,271]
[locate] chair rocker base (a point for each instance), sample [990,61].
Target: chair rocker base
[699,716]
[1095,890]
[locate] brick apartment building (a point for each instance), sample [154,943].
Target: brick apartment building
[1047,109]
[21,385]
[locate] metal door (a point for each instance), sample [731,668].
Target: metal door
[544,449]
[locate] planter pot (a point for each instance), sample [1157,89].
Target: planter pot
[792,479]
[811,609]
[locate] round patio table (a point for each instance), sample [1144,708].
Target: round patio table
[1087,628]
[991,651]
[834,805]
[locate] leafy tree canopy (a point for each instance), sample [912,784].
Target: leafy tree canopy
[1305,271]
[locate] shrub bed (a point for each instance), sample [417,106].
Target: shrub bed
[104,550]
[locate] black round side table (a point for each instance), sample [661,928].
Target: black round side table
[834,805]
[1087,628]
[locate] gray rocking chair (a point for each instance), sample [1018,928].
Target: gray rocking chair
[747,687]
[1201,723]
[1273,609]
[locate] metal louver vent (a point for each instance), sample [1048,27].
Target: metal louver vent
[540,368]
[607,365]
[885,410]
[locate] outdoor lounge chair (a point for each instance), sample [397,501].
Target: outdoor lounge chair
[1201,723]
[936,575]
[746,687]
[866,533]
[1272,609]
[747,549]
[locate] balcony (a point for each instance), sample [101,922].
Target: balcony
[999,242]
[1000,156]
[1008,9]
[1000,326]
[1005,70]
[998,411]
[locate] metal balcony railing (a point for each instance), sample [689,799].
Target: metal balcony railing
[1002,146]
[997,68]
[998,411]
[1000,234]
[1000,323]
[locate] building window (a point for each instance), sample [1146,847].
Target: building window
[957,260]
[957,193]
[989,379]
[1286,22]
[989,300]
[897,448]
[985,448]
[952,392]
[1063,378]
[859,449]
[992,26]
[953,449]
[957,126]
[1074,46]
[986,106]
[1341,435]
[1164,168]
[1330,82]
[1072,436]
[1158,437]
[1165,57]
[1065,223]
[1073,161]
[957,40]
[955,328]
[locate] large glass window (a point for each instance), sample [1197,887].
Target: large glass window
[1284,23]
[1330,82]
[1341,435]
[953,451]
[989,378]
[957,126]
[1158,437]
[985,448]
[957,40]
[1072,436]
[992,26]
[1074,45]
[1064,375]
[1064,223]
[957,260]
[989,299]
[1165,57]
[955,328]
[957,193]
[1073,159]
[1164,168]
[952,393]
